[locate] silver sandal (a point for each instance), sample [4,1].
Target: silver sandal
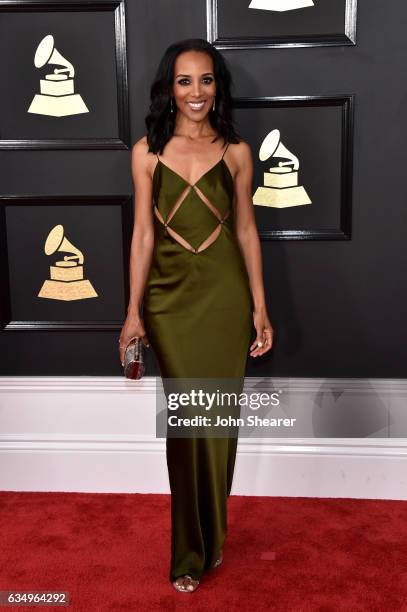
[190,587]
[219,561]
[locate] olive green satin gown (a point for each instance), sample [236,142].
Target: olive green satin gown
[197,311]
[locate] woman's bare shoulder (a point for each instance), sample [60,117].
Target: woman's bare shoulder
[240,150]
[141,156]
[240,154]
[140,147]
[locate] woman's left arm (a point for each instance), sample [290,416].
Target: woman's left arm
[249,242]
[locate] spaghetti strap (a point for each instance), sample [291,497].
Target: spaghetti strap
[226,148]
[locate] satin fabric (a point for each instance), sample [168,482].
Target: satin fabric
[197,313]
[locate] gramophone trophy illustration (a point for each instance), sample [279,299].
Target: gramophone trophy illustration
[281,189]
[280,5]
[66,282]
[57,97]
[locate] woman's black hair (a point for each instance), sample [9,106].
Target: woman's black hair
[160,121]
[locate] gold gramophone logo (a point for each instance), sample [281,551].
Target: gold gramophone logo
[280,5]
[281,188]
[57,97]
[66,276]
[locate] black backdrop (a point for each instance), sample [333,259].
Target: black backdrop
[338,307]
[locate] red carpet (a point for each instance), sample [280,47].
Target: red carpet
[111,552]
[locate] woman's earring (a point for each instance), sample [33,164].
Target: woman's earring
[172,108]
[213,105]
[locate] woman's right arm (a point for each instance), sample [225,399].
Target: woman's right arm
[142,243]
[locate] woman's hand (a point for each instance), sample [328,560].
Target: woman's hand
[133,326]
[264,332]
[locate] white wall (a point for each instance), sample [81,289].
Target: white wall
[98,434]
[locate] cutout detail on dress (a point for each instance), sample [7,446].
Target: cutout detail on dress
[215,211]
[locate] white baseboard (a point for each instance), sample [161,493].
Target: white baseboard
[97,434]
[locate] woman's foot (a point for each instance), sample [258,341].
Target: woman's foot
[185,584]
[219,560]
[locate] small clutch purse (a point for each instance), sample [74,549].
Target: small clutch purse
[133,364]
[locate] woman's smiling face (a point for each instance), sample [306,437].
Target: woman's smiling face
[194,87]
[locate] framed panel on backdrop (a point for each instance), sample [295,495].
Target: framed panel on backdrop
[63,70]
[242,24]
[64,262]
[303,150]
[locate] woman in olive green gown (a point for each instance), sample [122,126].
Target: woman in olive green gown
[198,309]
[198,318]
